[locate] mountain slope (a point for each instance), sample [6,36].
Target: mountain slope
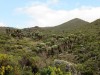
[3,29]
[70,54]
[77,25]
[72,24]
[91,28]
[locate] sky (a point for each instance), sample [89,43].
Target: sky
[43,13]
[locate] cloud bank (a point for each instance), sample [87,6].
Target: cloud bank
[42,15]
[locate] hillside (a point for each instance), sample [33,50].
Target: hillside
[76,25]
[70,25]
[72,48]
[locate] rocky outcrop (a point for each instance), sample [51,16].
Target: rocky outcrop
[69,67]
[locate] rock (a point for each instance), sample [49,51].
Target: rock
[69,67]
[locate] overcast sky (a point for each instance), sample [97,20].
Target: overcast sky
[30,13]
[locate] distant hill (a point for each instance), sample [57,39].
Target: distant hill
[77,25]
[74,25]
[96,22]
[93,27]
[70,25]
[3,29]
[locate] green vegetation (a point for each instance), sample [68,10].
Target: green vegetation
[72,48]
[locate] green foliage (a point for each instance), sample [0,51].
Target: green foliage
[33,50]
[6,65]
[51,71]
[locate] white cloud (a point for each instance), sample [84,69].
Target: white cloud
[42,15]
[2,24]
[53,1]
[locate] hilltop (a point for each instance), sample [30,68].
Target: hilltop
[71,25]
